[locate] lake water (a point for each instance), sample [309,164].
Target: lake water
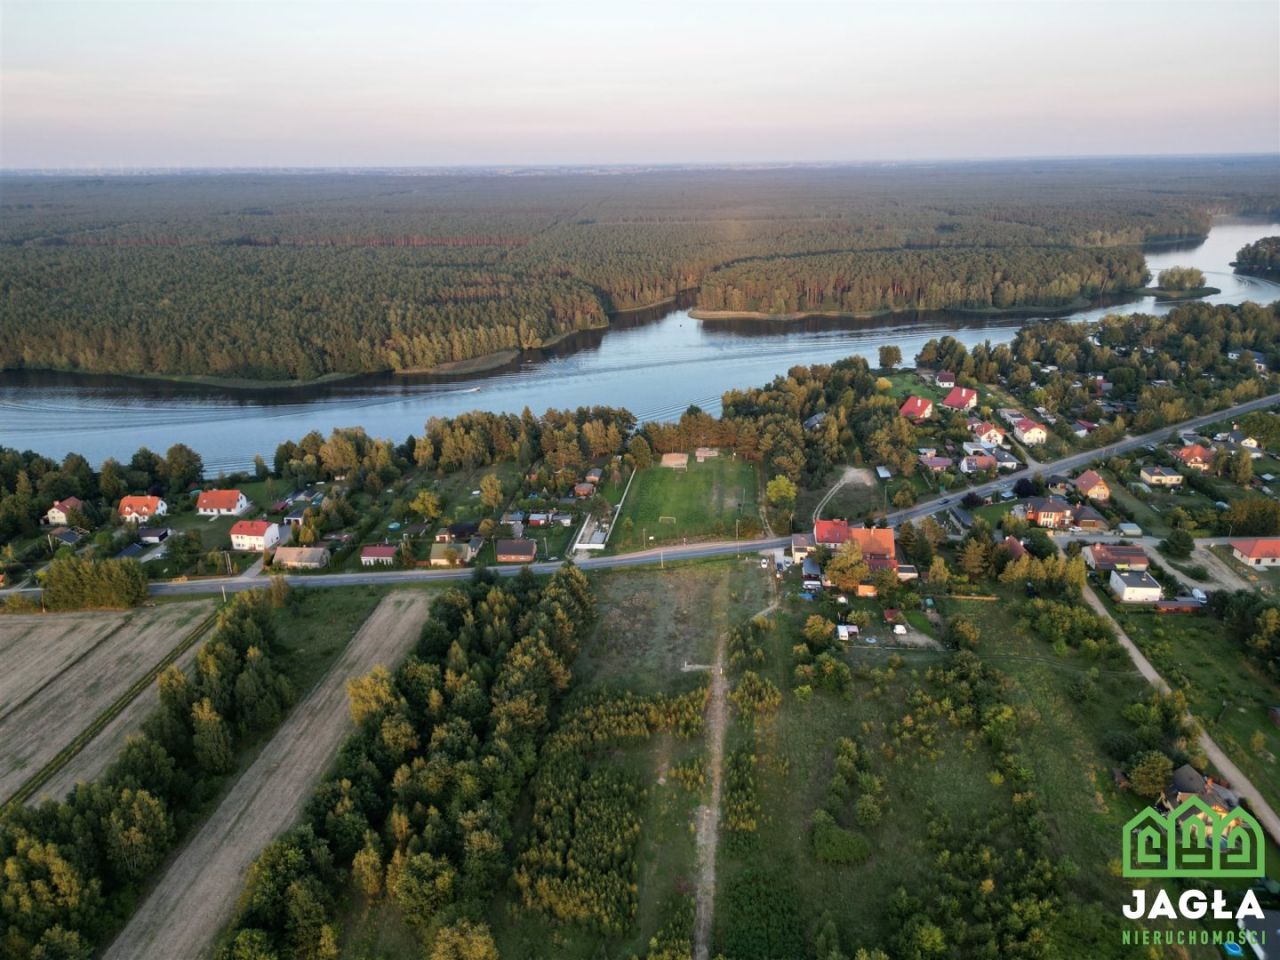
[655,364]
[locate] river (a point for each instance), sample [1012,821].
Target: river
[655,364]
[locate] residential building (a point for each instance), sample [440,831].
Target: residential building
[1004,459]
[1050,512]
[1091,485]
[1106,557]
[945,379]
[1083,428]
[917,408]
[1259,552]
[1134,586]
[153,535]
[515,551]
[1160,476]
[1195,456]
[255,535]
[1239,439]
[221,503]
[136,509]
[878,546]
[594,475]
[450,554]
[801,545]
[1030,432]
[675,461]
[815,421]
[59,514]
[936,464]
[961,398]
[462,530]
[978,463]
[65,536]
[989,434]
[1087,518]
[301,558]
[584,490]
[706,453]
[378,555]
[1010,415]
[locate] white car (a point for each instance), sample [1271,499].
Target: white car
[764,563]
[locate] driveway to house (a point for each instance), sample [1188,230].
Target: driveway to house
[1217,756]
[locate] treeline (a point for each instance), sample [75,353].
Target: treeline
[1262,254]
[975,279]
[74,583]
[294,277]
[74,869]
[419,804]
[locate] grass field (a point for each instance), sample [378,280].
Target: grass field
[1228,694]
[702,503]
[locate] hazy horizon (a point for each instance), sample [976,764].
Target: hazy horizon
[224,85]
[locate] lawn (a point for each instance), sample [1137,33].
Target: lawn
[701,503]
[1228,694]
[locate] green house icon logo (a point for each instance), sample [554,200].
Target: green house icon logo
[1194,840]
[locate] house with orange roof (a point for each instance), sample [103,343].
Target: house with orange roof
[136,509]
[917,408]
[1195,456]
[961,398]
[878,546]
[1258,552]
[256,535]
[221,503]
[1091,485]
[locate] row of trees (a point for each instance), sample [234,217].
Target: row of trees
[1262,254]
[418,807]
[72,869]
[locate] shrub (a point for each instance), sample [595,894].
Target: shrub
[832,843]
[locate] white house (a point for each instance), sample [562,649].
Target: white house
[1260,552]
[1028,431]
[137,509]
[1134,586]
[255,535]
[58,514]
[221,503]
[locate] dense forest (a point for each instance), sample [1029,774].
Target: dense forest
[292,277]
[1263,254]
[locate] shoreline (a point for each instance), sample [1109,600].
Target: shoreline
[1080,303]
[1161,294]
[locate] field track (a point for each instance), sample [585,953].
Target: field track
[196,896]
[122,648]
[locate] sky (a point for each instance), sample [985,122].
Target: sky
[222,83]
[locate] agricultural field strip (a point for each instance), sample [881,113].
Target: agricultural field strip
[95,756]
[43,726]
[195,898]
[35,649]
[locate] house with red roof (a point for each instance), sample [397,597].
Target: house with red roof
[1090,484]
[255,535]
[961,398]
[1259,552]
[988,433]
[58,514]
[977,463]
[1195,456]
[1030,432]
[878,546]
[378,555]
[936,464]
[917,408]
[136,509]
[221,503]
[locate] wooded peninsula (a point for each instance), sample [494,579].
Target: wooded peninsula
[277,277]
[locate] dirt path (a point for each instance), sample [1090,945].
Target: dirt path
[850,475]
[36,730]
[1217,756]
[196,897]
[708,831]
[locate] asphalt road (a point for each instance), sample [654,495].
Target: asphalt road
[698,551]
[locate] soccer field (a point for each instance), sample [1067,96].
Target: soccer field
[700,503]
